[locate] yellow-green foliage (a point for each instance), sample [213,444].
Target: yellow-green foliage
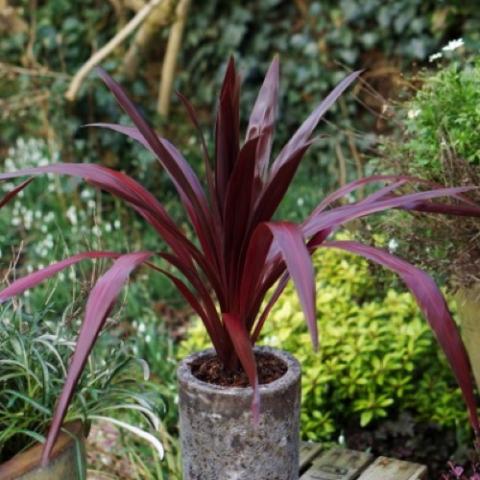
[377,355]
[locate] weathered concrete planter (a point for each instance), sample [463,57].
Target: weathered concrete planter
[67,461]
[218,437]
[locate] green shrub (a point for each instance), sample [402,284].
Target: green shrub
[438,139]
[444,115]
[377,356]
[34,355]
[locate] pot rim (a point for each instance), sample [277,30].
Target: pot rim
[27,461]
[292,375]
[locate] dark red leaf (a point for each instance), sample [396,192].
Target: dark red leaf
[355,185]
[174,164]
[262,119]
[185,180]
[227,130]
[10,195]
[458,210]
[303,134]
[99,304]
[433,305]
[33,279]
[194,119]
[271,302]
[290,243]
[210,320]
[277,186]
[340,215]
[238,207]
[243,348]
[205,297]
[138,197]
[201,222]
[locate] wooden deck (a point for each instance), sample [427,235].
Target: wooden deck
[343,464]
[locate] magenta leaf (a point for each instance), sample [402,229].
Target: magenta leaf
[262,119]
[343,214]
[271,302]
[201,222]
[35,278]
[127,189]
[277,186]
[237,209]
[243,349]
[434,306]
[174,164]
[194,119]
[303,134]
[290,242]
[227,137]
[14,192]
[99,304]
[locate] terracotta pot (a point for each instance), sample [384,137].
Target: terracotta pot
[468,305]
[218,437]
[67,461]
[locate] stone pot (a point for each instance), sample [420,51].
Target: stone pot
[67,461]
[218,437]
[468,306]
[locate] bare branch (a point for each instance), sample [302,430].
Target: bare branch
[98,56]
[170,59]
[146,34]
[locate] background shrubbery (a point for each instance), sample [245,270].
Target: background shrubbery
[439,140]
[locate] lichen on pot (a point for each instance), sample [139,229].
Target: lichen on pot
[67,460]
[219,437]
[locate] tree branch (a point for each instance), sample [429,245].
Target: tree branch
[98,56]
[170,59]
[162,16]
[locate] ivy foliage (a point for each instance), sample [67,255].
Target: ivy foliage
[377,356]
[318,41]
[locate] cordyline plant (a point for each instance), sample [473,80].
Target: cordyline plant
[241,253]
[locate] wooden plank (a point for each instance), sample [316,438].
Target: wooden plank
[390,469]
[338,464]
[308,451]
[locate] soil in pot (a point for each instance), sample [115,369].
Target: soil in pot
[67,460]
[210,370]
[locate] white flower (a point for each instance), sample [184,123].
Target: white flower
[300,202]
[453,45]
[72,215]
[117,224]
[96,230]
[435,56]
[392,245]
[86,194]
[413,113]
